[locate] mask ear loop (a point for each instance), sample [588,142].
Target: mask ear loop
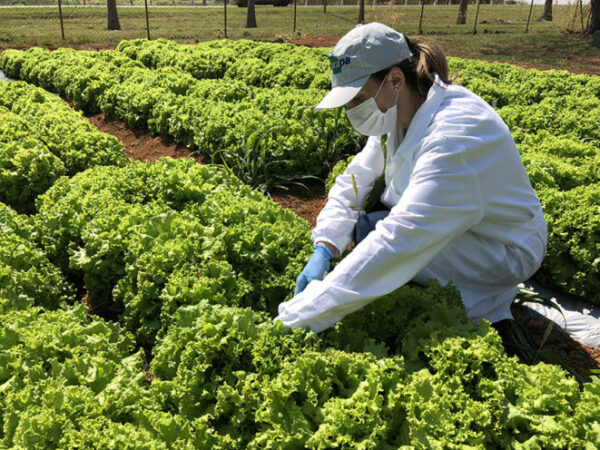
[395,90]
[380,86]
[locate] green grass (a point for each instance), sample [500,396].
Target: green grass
[547,44]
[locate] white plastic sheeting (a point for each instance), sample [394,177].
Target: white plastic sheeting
[4,77]
[578,318]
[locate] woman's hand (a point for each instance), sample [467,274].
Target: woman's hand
[316,268]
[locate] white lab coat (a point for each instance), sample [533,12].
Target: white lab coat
[462,210]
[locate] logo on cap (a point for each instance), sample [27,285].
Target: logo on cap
[337,64]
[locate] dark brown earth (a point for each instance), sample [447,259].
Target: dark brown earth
[140,145]
[558,347]
[307,203]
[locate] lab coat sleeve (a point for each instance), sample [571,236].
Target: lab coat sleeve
[442,200]
[336,220]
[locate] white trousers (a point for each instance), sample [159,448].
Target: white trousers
[488,289]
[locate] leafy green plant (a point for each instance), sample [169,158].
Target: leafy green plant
[61,367]
[144,239]
[27,278]
[42,139]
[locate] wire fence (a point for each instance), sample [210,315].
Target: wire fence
[201,20]
[186,3]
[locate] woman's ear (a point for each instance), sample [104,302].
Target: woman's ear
[396,76]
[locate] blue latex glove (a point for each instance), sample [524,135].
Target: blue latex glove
[315,269]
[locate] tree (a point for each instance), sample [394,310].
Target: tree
[595,21]
[251,16]
[461,19]
[113,16]
[547,14]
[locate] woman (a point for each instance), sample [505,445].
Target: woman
[439,190]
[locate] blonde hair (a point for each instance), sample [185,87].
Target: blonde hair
[418,70]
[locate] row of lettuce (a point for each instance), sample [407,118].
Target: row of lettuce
[266,136]
[189,265]
[42,139]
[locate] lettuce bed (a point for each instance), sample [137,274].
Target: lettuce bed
[184,266]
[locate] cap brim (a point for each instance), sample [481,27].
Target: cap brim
[341,95]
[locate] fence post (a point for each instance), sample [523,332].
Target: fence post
[361,11]
[147,20]
[421,18]
[225,16]
[295,1]
[529,17]
[62,28]
[476,16]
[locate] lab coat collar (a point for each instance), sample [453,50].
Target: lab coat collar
[420,121]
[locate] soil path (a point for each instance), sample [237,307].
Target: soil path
[140,145]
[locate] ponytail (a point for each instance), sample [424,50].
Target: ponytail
[418,70]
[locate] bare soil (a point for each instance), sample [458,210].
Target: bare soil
[139,145]
[558,347]
[307,203]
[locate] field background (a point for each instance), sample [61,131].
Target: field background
[501,29]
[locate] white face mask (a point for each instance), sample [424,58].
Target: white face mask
[368,119]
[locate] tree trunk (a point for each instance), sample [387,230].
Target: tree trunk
[595,22]
[251,16]
[461,19]
[361,11]
[113,16]
[547,14]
